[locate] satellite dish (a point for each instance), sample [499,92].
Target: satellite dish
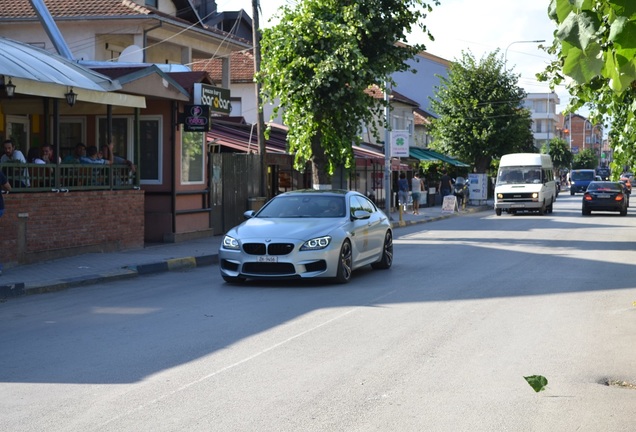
[131,54]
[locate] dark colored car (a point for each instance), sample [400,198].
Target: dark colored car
[604,173]
[605,196]
[580,179]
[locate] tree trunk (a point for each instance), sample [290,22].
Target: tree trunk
[321,179]
[482,164]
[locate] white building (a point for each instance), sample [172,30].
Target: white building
[545,119]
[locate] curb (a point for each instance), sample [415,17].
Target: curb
[398,224]
[19,289]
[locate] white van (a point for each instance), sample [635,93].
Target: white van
[525,182]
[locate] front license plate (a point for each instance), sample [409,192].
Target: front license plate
[517,206]
[267,259]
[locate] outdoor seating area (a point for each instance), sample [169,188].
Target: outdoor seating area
[32,177]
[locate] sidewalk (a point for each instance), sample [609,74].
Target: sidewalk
[92,268]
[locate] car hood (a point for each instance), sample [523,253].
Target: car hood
[301,229]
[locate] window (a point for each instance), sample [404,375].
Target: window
[192,157]
[152,3]
[72,131]
[150,159]
[122,135]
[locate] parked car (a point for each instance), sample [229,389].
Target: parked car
[308,234]
[603,172]
[605,196]
[580,179]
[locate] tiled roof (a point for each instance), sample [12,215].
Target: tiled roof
[422,117]
[22,9]
[241,67]
[375,92]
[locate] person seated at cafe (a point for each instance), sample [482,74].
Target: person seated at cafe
[33,156]
[78,153]
[107,153]
[48,156]
[17,177]
[93,158]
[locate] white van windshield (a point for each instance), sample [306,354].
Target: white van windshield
[519,175]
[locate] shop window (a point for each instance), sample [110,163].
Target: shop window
[192,157]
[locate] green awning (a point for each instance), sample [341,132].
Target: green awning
[430,155]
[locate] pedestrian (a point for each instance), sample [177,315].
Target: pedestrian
[4,186]
[445,185]
[403,190]
[417,186]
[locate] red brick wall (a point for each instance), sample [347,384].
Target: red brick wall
[38,226]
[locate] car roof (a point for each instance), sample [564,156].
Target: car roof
[336,192]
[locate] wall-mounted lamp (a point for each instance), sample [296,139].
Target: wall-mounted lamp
[10,88]
[71,97]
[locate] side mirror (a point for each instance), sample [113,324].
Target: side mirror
[361,214]
[249,214]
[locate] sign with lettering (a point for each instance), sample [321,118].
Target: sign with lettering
[449,205]
[196,118]
[217,98]
[400,143]
[478,186]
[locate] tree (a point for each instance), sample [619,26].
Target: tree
[319,60]
[481,114]
[585,159]
[559,151]
[594,45]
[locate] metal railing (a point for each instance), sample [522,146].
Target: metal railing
[66,177]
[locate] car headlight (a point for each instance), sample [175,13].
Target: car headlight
[535,195]
[230,243]
[316,243]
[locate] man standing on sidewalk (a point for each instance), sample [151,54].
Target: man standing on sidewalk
[417,186]
[4,186]
[445,185]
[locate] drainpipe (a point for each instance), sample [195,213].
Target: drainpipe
[51,29]
[173,141]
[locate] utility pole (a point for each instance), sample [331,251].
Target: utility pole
[260,122]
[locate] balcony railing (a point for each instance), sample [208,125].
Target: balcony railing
[67,177]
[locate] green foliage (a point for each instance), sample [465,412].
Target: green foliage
[594,46]
[585,159]
[481,114]
[559,151]
[537,382]
[317,63]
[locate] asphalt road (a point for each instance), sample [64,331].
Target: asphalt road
[441,342]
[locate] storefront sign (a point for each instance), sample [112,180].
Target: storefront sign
[217,98]
[196,118]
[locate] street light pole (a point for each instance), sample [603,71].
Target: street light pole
[518,42]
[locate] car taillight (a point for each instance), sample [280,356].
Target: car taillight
[587,197]
[619,197]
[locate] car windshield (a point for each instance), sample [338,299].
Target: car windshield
[604,186]
[304,206]
[583,175]
[517,175]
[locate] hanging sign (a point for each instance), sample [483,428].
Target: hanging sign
[400,143]
[217,98]
[196,118]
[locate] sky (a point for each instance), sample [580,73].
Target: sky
[472,26]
